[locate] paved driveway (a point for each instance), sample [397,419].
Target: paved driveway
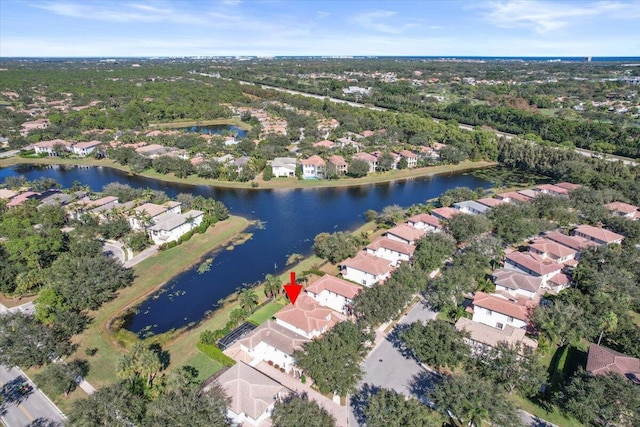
[23,402]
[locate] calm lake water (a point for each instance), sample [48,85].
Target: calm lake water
[292,218]
[217,130]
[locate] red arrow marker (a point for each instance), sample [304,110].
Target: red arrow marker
[293,289]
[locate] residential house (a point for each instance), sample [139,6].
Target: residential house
[21,198]
[337,165]
[171,226]
[599,236]
[405,233]
[550,249]
[445,213]
[6,194]
[86,205]
[307,317]
[151,150]
[391,249]
[252,394]
[624,210]
[516,283]
[576,243]
[512,197]
[490,201]
[324,144]
[429,153]
[559,282]
[533,264]
[497,311]
[567,186]
[551,189]
[283,167]
[148,214]
[425,222]
[330,291]
[602,360]
[85,148]
[483,337]
[271,342]
[51,148]
[366,269]
[313,168]
[531,194]
[412,158]
[371,160]
[27,127]
[471,207]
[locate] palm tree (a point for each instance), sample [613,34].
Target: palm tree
[237,315]
[248,300]
[272,286]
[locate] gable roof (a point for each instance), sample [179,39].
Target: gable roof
[406,232]
[621,207]
[426,219]
[445,212]
[87,144]
[598,233]
[534,262]
[567,186]
[335,285]
[512,195]
[517,310]
[471,205]
[554,189]
[490,201]
[392,245]
[251,392]
[306,314]
[574,242]
[602,360]
[514,280]
[368,263]
[274,335]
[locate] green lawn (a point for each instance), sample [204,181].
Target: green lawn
[205,365]
[553,416]
[265,313]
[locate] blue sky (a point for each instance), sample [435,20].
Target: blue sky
[309,27]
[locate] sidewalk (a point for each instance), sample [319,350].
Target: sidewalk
[150,251]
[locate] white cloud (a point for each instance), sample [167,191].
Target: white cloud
[373,21]
[322,14]
[547,16]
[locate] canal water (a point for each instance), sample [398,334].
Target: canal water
[290,218]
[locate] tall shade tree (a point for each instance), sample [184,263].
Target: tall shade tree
[436,343]
[298,410]
[602,400]
[388,408]
[333,361]
[110,406]
[60,378]
[26,342]
[471,401]
[184,403]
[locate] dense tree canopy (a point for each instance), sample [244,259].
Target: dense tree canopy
[298,410]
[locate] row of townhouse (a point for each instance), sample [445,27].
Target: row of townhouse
[324,303]
[51,148]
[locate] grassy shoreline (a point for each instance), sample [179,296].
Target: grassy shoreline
[189,123]
[276,183]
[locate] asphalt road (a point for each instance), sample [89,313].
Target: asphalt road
[23,402]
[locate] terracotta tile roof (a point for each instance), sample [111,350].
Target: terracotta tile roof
[517,310]
[406,232]
[324,143]
[274,335]
[552,248]
[426,219]
[21,198]
[491,336]
[313,161]
[602,360]
[490,201]
[99,202]
[624,208]
[369,264]
[598,233]
[7,194]
[534,262]
[149,148]
[515,280]
[532,194]
[567,186]
[151,209]
[251,392]
[306,314]
[514,196]
[366,157]
[560,279]
[87,144]
[574,242]
[337,160]
[393,245]
[445,212]
[52,143]
[550,188]
[335,285]
[408,154]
